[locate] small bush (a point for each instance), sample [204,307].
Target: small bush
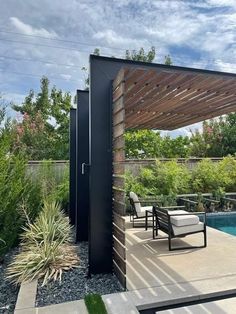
[206,177]
[170,178]
[45,248]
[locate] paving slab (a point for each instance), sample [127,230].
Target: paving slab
[119,303]
[150,264]
[156,276]
[227,306]
[73,307]
[27,295]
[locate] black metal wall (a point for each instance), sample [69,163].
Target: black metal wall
[82,161]
[72,200]
[102,73]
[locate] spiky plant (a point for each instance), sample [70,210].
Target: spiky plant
[51,225]
[46,261]
[46,250]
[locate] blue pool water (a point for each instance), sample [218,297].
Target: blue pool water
[225,223]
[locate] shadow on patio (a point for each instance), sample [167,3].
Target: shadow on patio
[157,276]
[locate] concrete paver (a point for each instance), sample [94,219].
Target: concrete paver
[227,306]
[73,307]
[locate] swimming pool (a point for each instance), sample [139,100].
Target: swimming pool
[225,222]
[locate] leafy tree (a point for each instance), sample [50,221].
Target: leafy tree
[140,55]
[142,144]
[43,132]
[218,138]
[175,147]
[168,60]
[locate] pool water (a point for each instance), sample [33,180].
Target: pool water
[225,223]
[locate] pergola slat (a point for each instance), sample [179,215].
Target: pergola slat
[160,99]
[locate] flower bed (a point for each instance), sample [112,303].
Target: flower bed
[8,291]
[75,284]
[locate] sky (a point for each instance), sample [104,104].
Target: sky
[55,38]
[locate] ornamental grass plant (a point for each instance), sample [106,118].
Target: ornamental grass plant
[46,248]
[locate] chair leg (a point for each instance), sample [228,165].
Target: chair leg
[169,243]
[146,221]
[153,228]
[205,238]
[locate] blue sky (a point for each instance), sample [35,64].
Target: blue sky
[195,33]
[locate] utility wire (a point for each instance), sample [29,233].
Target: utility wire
[181,60]
[37,60]
[42,45]
[63,40]
[37,75]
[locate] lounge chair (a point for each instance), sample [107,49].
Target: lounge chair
[178,224]
[138,212]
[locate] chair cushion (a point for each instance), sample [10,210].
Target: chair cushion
[187,220]
[142,213]
[135,199]
[187,229]
[182,220]
[177,212]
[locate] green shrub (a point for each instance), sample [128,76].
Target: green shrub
[165,178]
[61,190]
[206,177]
[13,187]
[133,184]
[227,172]
[45,248]
[170,178]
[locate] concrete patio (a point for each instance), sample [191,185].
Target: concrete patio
[157,277]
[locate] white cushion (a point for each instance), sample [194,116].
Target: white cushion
[142,213]
[187,220]
[187,229]
[177,212]
[137,205]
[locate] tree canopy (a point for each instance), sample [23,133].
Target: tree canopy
[43,131]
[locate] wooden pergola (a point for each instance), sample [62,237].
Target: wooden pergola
[162,99]
[169,100]
[125,94]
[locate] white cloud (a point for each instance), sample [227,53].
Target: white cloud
[199,34]
[66,76]
[29,30]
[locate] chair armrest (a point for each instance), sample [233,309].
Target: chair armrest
[146,200]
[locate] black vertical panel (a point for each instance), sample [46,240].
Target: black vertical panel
[100,122]
[82,120]
[72,198]
[102,73]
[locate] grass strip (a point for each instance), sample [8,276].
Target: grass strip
[95,304]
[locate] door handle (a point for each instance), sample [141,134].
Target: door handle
[83,165]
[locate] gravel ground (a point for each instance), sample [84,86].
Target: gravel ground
[75,284]
[8,291]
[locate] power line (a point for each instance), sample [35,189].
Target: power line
[41,61]
[63,40]
[37,75]
[180,59]
[42,45]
